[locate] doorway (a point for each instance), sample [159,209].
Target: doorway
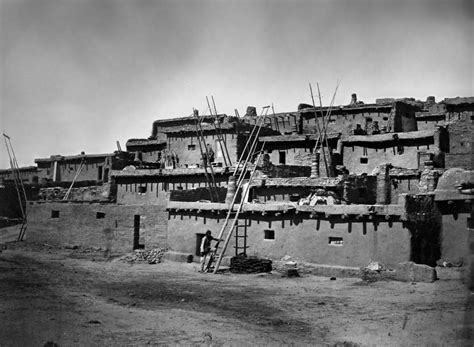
[136,232]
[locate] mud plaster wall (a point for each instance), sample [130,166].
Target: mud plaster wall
[25,176]
[352,155]
[77,224]
[301,239]
[150,156]
[293,156]
[187,148]
[264,194]
[403,185]
[67,170]
[461,152]
[183,228]
[454,231]
[157,192]
[405,119]
[345,123]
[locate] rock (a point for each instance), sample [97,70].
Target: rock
[375,266]
[412,272]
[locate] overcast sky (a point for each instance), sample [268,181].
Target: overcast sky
[77,75]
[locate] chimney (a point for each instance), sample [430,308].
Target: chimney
[251,111]
[353,99]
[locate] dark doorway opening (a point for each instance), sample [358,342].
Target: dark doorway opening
[282,158]
[136,233]
[99,173]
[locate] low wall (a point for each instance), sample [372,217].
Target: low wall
[321,242]
[108,226]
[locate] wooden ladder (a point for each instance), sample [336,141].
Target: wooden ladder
[19,186]
[251,144]
[211,183]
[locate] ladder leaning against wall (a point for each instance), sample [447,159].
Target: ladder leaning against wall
[19,187]
[250,150]
[211,181]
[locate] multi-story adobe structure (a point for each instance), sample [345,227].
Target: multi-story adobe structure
[372,209]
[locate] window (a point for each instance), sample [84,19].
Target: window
[336,241]
[54,214]
[269,234]
[100,215]
[142,189]
[364,160]
[191,147]
[362,192]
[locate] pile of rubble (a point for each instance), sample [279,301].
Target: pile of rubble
[244,264]
[152,256]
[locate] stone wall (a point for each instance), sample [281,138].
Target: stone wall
[108,226]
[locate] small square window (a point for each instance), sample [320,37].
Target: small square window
[269,234]
[54,214]
[191,147]
[336,241]
[100,215]
[142,189]
[364,160]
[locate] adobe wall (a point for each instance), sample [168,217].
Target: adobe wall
[405,119]
[295,155]
[403,185]
[344,121]
[454,232]
[155,190]
[187,149]
[30,176]
[77,224]
[302,239]
[184,227]
[263,194]
[375,156]
[150,156]
[67,170]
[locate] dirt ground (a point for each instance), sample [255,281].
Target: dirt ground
[72,297]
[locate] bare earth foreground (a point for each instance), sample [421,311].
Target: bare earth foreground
[75,298]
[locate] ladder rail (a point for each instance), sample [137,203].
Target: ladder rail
[206,174]
[15,175]
[240,179]
[214,187]
[76,176]
[219,131]
[19,186]
[229,235]
[250,136]
[252,149]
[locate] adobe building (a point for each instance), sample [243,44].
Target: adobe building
[379,201]
[95,167]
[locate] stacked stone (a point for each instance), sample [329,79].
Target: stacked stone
[244,264]
[152,256]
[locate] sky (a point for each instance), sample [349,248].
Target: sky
[79,75]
